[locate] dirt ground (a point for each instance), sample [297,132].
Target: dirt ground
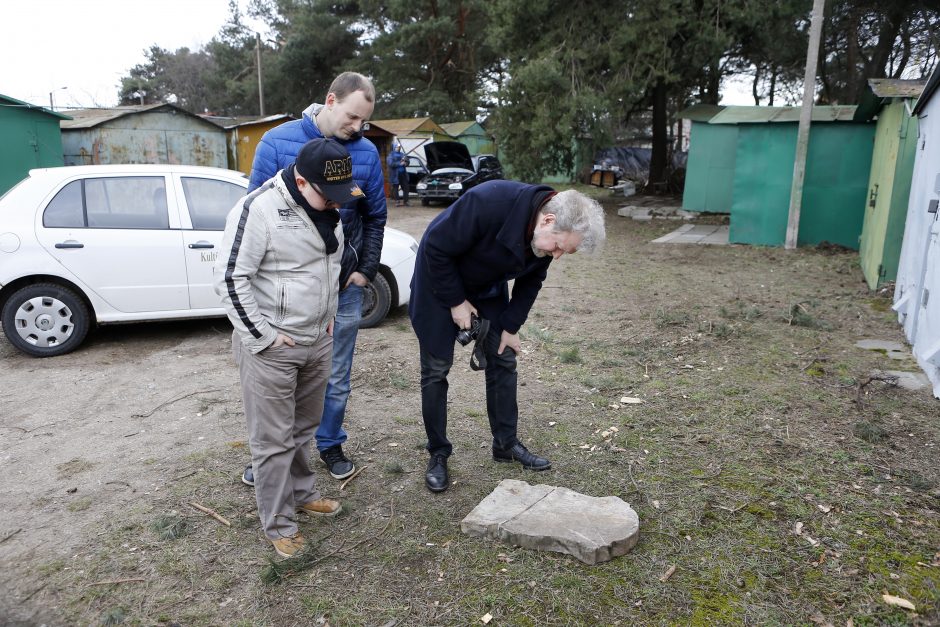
[785,485]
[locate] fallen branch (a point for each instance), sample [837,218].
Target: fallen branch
[888,379]
[354,475]
[171,401]
[208,511]
[668,574]
[391,517]
[10,535]
[733,510]
[108,582]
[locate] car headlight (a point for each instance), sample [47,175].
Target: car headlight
[422,186]
[457,186]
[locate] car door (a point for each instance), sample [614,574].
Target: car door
[119,236]
[204,203]
[489,169]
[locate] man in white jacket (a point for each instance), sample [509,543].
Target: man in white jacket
[278,276]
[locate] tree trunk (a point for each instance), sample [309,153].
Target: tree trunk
[755,84]
[658,156]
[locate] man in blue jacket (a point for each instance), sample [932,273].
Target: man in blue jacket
[348,106]
[497,232]
[398,174]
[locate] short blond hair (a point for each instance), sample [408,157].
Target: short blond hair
[351,82]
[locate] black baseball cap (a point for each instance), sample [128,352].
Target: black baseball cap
[326,164]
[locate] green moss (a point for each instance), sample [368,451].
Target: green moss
[79,505]
[715,608]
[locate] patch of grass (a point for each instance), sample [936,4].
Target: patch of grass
[870,431]
[570,355]
[800,315]
[540,334]
[170,527]
[276,571]
[722,329]
[740,311]
[398,380]
[79,504]
[882,305]
[113,616]
[394,468]
[671,318]
[73,467]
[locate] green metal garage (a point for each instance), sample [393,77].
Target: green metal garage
[31,139]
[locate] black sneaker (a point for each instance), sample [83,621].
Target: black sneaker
[248,477]
[339,466]
[519,453]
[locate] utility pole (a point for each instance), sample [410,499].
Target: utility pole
[806,117]
[260,84]
[51,101]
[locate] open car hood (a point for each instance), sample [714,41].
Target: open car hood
[447,155]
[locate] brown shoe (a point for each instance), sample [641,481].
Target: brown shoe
[289,546]
[321,507]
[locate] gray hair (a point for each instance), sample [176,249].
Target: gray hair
[576,213]
[351,82]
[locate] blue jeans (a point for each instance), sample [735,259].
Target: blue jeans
[345,329]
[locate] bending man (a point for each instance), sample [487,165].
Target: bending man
[497,232]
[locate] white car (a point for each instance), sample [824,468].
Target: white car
[127,243]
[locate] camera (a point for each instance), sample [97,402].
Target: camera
[478,329]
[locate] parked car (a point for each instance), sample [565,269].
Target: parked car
[125,243]
[416,171]
[454,171]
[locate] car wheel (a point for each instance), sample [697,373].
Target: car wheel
[425,202]
[376,301]
[45,320]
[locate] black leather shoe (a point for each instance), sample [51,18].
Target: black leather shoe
[436,477]
[519,453]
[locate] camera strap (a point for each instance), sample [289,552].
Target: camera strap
[478,357]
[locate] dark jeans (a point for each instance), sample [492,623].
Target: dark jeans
[403,183]
[501,407]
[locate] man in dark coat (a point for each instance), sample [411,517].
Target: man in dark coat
[497,232]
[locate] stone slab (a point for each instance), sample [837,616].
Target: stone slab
[710,234]
[908,380]
[551,518]
[894,350]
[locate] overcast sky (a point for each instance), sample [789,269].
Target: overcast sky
[86,46]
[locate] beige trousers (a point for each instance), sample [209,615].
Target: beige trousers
[282,390]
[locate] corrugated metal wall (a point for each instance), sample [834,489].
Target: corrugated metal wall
[917,291]
[151,137]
